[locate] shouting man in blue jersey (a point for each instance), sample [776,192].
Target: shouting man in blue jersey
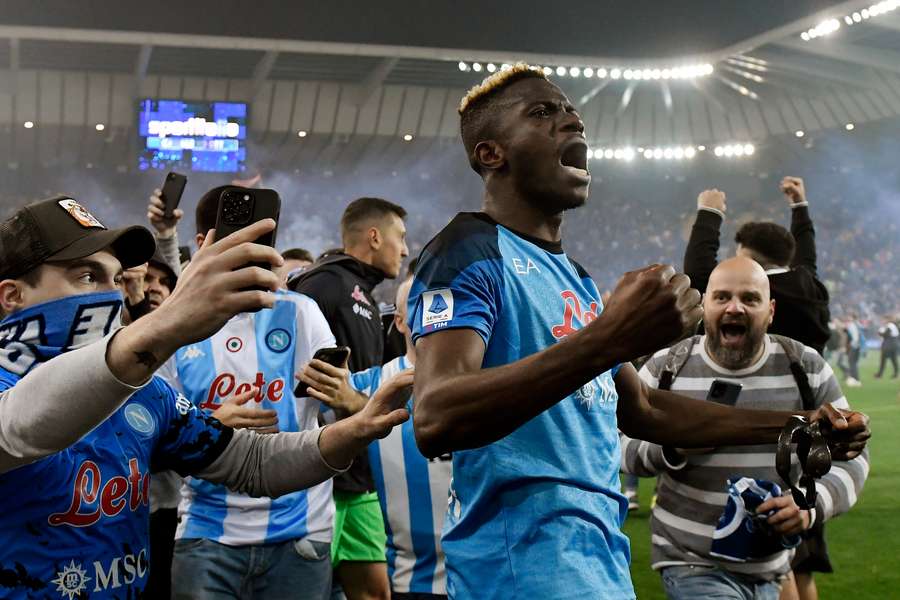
[83,420]
[523,375]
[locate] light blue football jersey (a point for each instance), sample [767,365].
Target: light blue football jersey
[537,514]
[413,492]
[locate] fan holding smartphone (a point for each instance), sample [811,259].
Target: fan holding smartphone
[254,353]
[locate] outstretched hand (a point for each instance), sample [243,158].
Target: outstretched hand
[235,413]
[387,407]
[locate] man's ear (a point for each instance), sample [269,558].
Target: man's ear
[375,238]
[11,298]
[489,155]
[771,311]
[199,239]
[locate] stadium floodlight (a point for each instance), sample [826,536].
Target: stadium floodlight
[302,133]
[666,74]
[618,154]
[689,152]
[601,73]
[506,67]
[99,126]
[701,148]
[609,153]
[628,74]
[668,153]
[678,153]
[407,137]
[738,150]
[548,71]
[849,126]
[588,72]
[491,67]
[805,36]
[847,19]
[574,72]
[719,151]
[799,133]
[590,154]
[29,124]
[728,151]
[463,66]
[749,149]
[561,71]
[657,153]
[865,13]
[628,154]
[615,73]
[476,67]
[655,74]
[648,153]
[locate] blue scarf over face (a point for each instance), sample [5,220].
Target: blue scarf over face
[38,333]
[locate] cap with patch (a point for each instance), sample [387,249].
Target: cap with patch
[58,229]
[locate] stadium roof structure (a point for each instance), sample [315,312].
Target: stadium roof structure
[644,74]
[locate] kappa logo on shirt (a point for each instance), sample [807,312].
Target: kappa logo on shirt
[192,352]
[438,307]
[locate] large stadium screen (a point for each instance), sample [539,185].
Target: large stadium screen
[192,136]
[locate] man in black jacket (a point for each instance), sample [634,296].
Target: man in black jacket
[374,239]
[789,259]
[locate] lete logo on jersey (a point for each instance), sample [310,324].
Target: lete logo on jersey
[438,307]
[573,314]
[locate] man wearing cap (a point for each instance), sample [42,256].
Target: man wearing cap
[82,419]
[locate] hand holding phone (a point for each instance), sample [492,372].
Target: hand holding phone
[336,357]
[172,190]
[240,207]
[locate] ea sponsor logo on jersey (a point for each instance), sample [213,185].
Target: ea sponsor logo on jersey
[140,419]
[278,340]
[438,307]
[234,344]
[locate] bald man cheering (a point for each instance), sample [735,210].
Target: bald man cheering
[700,543]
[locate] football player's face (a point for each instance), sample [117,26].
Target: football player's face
[543,140]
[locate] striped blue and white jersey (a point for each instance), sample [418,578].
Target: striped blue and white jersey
[261,349]
[413,493]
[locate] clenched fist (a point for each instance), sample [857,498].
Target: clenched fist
[713,198]
[793,189]
[650,309]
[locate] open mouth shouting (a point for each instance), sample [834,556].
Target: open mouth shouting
[574,160]
[733,333]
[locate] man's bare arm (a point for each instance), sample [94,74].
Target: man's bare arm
[669,419]
[459,405]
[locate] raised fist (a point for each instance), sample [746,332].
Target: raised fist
[793,189]
[650,309]
[711,199]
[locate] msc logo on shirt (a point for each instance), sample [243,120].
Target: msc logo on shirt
[74,580]
[438,307]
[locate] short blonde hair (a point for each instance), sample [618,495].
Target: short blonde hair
[497,81]
[478,115]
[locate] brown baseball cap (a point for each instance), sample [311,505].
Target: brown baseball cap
[59,229]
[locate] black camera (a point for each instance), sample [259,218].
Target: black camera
[237,207]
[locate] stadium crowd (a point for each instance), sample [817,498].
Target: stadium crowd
[274,455]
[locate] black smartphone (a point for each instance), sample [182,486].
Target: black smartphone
[172,189]
[724,392]
[335,357]
[240,207]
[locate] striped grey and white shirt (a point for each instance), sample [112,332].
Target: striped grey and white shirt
[692,494]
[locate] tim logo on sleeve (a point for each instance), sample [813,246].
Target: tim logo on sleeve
[438,307]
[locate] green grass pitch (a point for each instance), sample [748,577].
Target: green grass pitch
[864,543]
